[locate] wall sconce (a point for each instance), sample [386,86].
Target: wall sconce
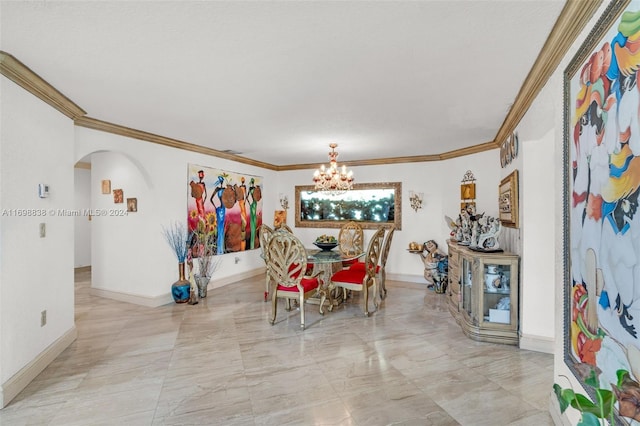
[284,202]
[415,199]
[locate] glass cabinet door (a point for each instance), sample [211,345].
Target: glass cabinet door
[496,292]
[466,279]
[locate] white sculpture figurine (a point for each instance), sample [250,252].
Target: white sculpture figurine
[488,238]
[475,230]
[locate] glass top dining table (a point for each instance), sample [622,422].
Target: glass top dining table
[329,261]
[329,256]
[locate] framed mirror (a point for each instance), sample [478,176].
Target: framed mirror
[369,204]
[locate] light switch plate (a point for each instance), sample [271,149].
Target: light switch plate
[43,190]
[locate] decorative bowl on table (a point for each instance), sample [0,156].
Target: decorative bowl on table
[325,246]
[326,242]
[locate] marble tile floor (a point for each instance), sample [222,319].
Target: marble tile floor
[220,362]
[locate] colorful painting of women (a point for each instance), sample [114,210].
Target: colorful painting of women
[220,211]
[242,203]
[254,197]
[604,237]
[218,198]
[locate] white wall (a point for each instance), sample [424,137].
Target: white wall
[82,224]
[538,230]
[130,258]
[36,273]
[538,220]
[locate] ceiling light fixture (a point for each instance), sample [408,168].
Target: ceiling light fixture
[332,179]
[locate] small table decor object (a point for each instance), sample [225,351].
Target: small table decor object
[326,242]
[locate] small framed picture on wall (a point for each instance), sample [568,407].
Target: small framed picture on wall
[132,205]
[118,196]
[106,186]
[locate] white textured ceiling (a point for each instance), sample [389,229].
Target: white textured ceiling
[278,81]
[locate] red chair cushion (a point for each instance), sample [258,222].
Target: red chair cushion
[351,275]
[308,284]
[308,271]
[361,266]
[346,263]
[292,267]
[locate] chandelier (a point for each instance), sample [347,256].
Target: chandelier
[332,179]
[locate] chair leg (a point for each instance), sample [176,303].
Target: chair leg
[383,285]
[301,311]
[274,307]
[375,292]
[365,299]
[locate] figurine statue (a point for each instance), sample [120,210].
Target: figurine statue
[488,239]
[475,230]
[436,266]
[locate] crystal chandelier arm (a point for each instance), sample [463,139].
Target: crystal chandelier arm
[333,179]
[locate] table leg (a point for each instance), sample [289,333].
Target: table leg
[328,290]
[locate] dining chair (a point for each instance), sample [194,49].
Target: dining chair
[384,254]
[351,241]
[287,259]
[264,235]
[381,268]
[360,279]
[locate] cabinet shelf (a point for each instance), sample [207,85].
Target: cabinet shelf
[507,292]
[483,293]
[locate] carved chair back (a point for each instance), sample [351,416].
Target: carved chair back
[287,259]
[351,238]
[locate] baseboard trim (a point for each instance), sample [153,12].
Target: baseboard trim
[215,283]
[12,387]
[408,278]
[163,299]
[537,343]
[136,299]
[83,269]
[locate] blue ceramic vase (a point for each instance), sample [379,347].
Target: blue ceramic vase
[180,289]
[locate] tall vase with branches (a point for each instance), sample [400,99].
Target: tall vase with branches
[177,236]
[205,249]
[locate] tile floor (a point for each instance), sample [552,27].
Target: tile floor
[221,363]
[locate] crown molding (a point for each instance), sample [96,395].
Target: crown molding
[116,129]
[487,146]
[572,20]
[24,77]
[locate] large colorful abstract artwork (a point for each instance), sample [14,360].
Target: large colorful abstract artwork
[602,175]
[226,205]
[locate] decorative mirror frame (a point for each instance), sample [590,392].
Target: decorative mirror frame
[397,198]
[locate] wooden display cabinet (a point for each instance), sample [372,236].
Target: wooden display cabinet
[483,294]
